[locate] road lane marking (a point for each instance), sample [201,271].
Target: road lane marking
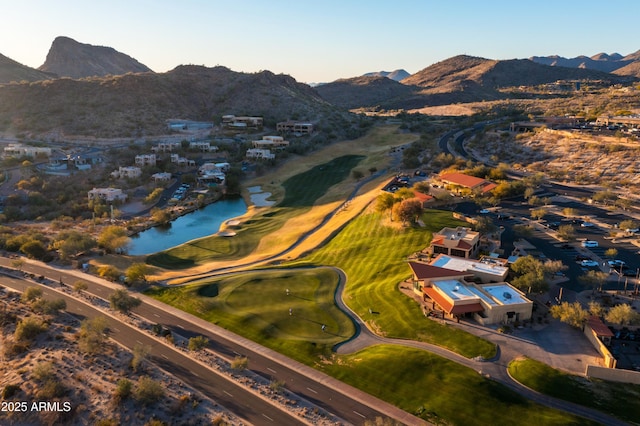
[272,370]
[312,390]
[156,315]
[361,415]
[164,356]
[115,329]
[195,374]
[178,325]
[139,342]
[227,393]
[267,417]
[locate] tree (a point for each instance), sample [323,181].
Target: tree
[628,224]
[121,301]
[92,335]
[18,264]
[569,212]
[408,211]
[109,272]
[384,202]
[567,232]
[160,216]
[422,187]
[611,252]
[594,279]
[622,314]
[113,238]
[28,329]
[596,309]
[198,343]
[31,293]
[530,275]
[538,213]
[523,231]
[123,390]
[34,249]
[571,313]
[137,272]
[70,243]
[484,225]
[49,307]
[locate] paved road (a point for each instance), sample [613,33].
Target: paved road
[228,393]
[335,397]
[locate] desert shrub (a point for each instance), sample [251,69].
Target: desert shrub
[148,391]
[49,307]
[198,343]
[240,363]
[29,328]
[31,294]
[9,391]
[123,390]
[43,371]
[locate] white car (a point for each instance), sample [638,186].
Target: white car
[589,244]
[587,224]
[588,263]
[484,211]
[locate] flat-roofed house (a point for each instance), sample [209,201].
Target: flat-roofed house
[107,194]
[485,270]
[460,242]
[474,184]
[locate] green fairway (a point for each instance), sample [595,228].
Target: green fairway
[618,399]
[374,258]
[257,305]
[439,390]
[302,191]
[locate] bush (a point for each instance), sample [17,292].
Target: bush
[31,294]
[148,391]
[9,391]
[198,343]
[240,363]
[28,329]
[123,390]
[121,301]
[49,307]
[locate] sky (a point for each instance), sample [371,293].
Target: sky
[320,41]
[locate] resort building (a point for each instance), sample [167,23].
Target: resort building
[461,181]
[145,160]
[202,146]
[161,177]
[130,172]
[166,147]
[271,142]
[233,122]
[485,270]
[460,242]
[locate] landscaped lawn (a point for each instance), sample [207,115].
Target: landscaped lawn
[301,192]
[439,390]
[256,305]
[374,257]
[618,399]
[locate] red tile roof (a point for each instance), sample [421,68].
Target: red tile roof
[462,179]
[423,197]
[450,307]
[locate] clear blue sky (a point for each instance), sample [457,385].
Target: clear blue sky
[320,41]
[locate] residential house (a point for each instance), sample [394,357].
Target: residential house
[460,242]
[271,142]
[182,161]
[161,177]
[202,146]
[486,269]
[424,199]
[260,154]
[166,147]
[20,150]
[130,172]
[461,181]
[145,160]
[232,122]
[107,194]
[296,127]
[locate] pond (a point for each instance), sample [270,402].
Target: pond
[197,224]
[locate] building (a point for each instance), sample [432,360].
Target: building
[145,160]
[161,177]
[271,142]
[202,146]
[182,161]
[460,180]
[107,194]
[485,270]
[166,147]
[460,242]
[296,127]
[130,172]
[450,292]
[424,199]
[260,154]
[243,122]
[20,150]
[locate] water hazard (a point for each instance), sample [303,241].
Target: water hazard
[200,223]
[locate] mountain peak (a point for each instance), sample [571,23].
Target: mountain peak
[69,58]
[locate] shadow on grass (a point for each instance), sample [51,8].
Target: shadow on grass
[167,261]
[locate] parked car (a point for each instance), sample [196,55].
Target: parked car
[484,211]
[589,263]
[616,263]
[589,244]
[587,224]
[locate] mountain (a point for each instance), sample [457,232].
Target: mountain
[12,71]
[600,62]
[396,75]
[133,105]
[365,91]
[68,58]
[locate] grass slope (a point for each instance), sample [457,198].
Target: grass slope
[618,399]
[439,390]
[374,258]
[256,305]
